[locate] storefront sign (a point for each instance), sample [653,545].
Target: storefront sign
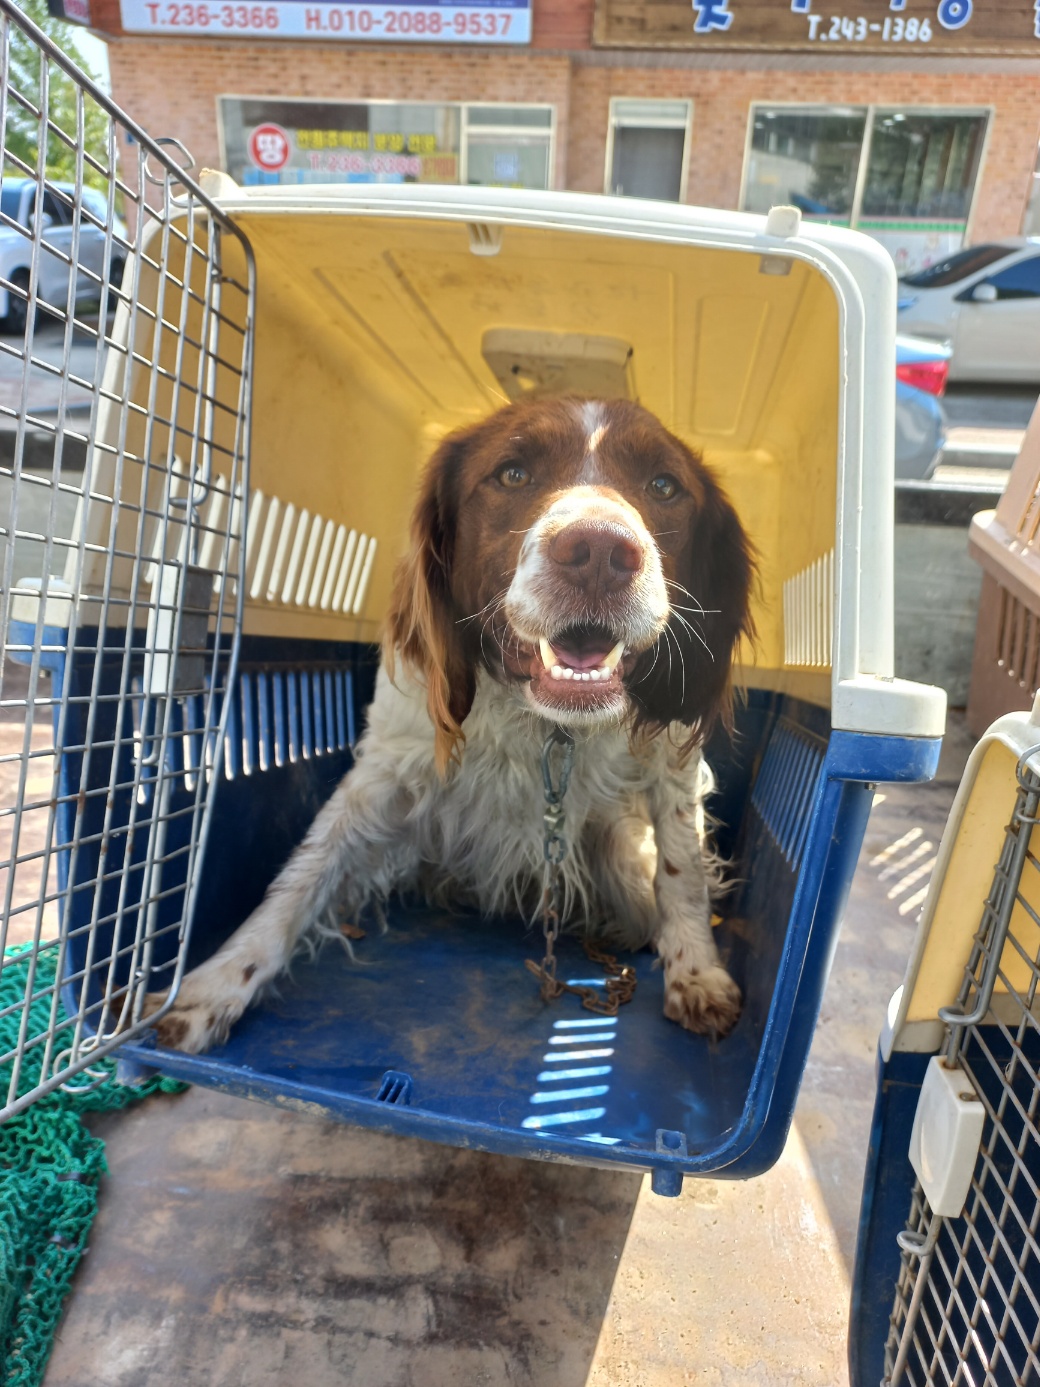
[269,147]
[74,11]
[278,141]
[270,140]
[407,21]
[907,27]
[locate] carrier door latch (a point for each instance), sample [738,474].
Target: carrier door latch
[178,630]
[944,1144]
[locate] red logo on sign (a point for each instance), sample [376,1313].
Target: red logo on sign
[269,147]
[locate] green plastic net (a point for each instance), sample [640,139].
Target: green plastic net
[50,1167]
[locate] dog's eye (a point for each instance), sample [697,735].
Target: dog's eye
[513,475]
[663,488]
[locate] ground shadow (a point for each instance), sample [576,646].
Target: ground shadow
[836,1103]
[238,1244]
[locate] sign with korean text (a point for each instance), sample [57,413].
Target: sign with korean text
[280,141]
[406,21]
[897,27]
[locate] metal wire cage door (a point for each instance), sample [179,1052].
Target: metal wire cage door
[124,405]
[967,1305]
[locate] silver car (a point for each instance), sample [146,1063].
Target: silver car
[17,213]
[984,301]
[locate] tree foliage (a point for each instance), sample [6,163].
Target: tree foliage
[66,108]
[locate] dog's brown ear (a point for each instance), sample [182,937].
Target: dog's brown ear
[685,678]
[422,623]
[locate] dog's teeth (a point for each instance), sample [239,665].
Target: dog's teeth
[566,673]
[547,653]
[611,662]
[557,671]
[595,674]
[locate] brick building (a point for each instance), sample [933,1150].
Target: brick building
[925,141]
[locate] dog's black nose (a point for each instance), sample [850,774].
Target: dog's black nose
[597,556]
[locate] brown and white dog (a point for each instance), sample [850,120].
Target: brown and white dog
[571,563]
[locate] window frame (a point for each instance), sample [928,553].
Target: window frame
[505,131]
[686,127]
[872,110]
[813,107]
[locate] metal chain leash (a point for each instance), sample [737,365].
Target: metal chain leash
[621,980]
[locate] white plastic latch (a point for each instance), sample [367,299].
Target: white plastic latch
[944,1144]
[217,184]
[783,221]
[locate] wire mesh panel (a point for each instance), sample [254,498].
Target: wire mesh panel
[126,301]
[967,1306]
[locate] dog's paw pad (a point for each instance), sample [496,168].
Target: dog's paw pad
[192,1025]
[707,1002]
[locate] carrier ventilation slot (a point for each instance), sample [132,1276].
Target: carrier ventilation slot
[809,615]
[284,716]
[395,1088]
[1018,642]
[783,794]
[296,559]
[276,718]
[293,558]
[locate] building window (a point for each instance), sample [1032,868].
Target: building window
[922,166]
[646,148]
[905,176]
[805,158]
[508,146]
[270,141]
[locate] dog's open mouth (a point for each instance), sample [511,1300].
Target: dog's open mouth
[580,667]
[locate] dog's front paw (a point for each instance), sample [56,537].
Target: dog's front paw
[197,1019]
[706,1001]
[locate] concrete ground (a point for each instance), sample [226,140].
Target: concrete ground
[237,1245]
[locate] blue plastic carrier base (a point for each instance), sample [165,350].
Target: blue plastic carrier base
[437,1030]
[444,1005]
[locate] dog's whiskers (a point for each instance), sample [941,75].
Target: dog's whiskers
[693,632]
[495,602]
[678,650]
[702,611]
[653,666]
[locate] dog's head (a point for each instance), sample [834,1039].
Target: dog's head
[580,551]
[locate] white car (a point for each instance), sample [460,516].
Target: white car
[17,210]
[984,301]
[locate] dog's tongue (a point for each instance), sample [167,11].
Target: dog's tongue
[577,651]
